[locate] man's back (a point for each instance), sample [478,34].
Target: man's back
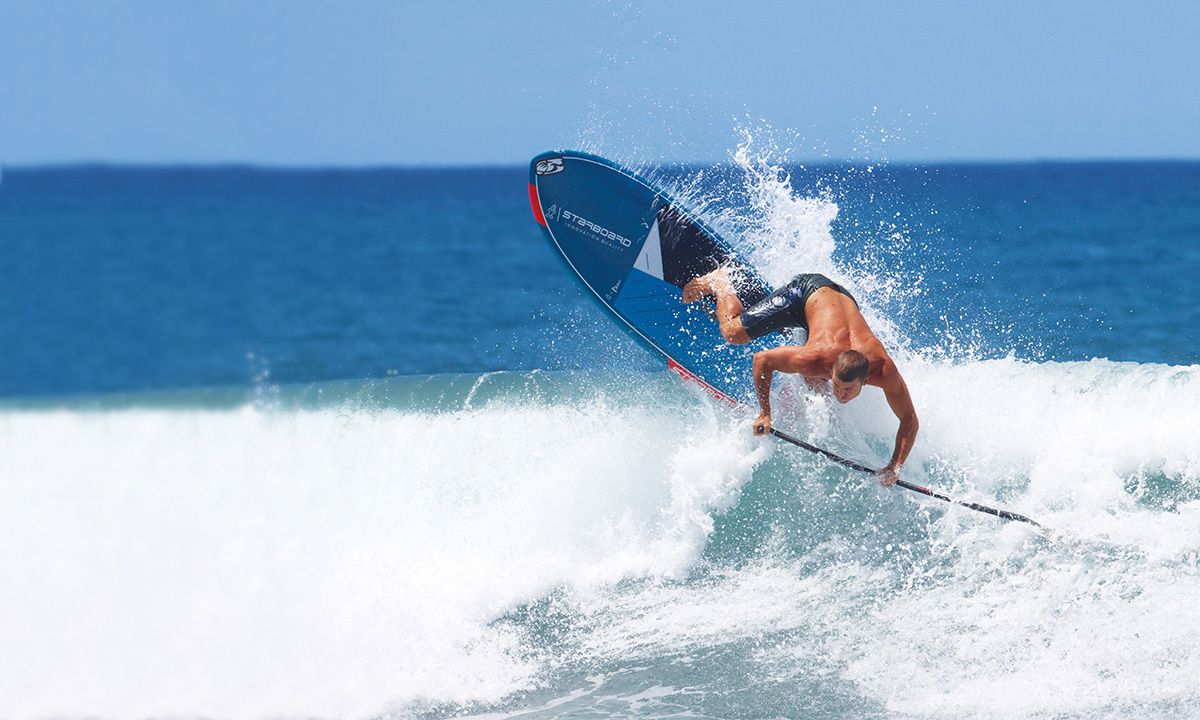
[835,324]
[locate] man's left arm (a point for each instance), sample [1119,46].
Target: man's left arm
[896,392]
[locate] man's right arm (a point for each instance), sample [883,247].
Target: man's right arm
[789,359]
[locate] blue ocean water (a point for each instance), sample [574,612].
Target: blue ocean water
[350,443]
[126,279]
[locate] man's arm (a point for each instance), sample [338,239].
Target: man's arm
[789,359]
[896,392]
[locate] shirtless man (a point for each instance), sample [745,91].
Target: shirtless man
[840,347]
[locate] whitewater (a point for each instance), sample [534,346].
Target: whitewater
[612,542]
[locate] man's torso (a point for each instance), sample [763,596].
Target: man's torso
[835,325]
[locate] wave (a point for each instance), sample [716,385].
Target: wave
[448,541]
[313,556]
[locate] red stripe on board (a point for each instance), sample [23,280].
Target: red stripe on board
[684,373]
[537,206]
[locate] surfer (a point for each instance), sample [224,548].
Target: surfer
[840,347]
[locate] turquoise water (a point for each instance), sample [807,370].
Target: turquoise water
[291,443]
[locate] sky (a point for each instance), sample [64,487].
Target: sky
[449,82]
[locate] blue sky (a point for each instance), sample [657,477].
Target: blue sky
[381,83]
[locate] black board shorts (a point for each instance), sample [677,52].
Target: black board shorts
[784,308]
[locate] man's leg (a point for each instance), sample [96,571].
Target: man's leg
[729,306]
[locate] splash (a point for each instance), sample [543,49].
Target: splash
[785,234]
[269,560]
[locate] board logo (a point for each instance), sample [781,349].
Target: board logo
[549,166]
[599,232]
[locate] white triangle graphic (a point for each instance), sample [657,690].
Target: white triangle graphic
[649,260]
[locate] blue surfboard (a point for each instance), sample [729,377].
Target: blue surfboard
[634,248]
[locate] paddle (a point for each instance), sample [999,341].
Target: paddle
[1003,514]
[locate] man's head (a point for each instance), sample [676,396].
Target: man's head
[850,371]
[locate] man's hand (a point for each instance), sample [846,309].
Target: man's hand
[888,476]
[762,425]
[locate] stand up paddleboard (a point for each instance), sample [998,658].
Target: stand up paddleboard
[634,248]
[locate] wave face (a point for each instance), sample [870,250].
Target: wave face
[606,543]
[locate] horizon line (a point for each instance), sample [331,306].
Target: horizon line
[352,167]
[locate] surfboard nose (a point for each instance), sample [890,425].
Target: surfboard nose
[598,218]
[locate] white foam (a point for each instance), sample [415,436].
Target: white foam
[1077,433]
[786,234]
[246,563]
[327,563]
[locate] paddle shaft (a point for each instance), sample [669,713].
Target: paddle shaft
[1003,514]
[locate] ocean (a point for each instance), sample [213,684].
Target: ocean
[351,444]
